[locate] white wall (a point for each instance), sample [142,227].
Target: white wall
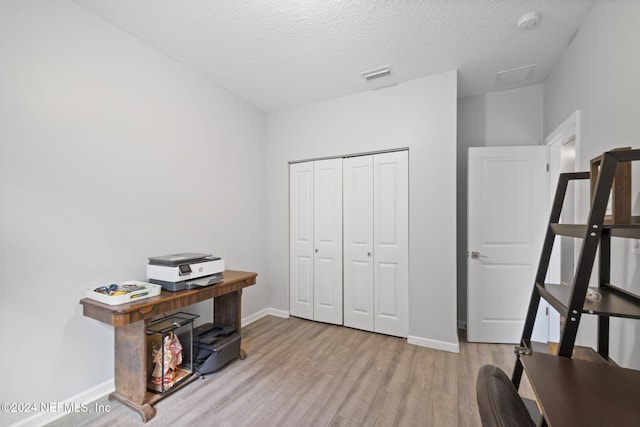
[421,115]
[598,75]
[506,118]
[110,152]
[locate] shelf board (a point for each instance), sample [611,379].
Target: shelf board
[631,231]
[571,230]
[579,352]
[614,302]
[556,295]
[575,392]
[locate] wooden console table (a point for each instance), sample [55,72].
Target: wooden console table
[131,319]
[573,392]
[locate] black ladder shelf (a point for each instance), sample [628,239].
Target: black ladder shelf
[570,301]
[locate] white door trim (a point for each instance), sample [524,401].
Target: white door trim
[568,131]
[346,156]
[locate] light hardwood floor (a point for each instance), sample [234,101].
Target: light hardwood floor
[303,373]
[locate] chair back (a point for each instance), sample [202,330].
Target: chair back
[499,403]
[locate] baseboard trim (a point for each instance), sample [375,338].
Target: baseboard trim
[80,401]
[262,313]
[452,347]
[85,398]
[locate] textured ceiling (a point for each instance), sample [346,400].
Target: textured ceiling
[281,53]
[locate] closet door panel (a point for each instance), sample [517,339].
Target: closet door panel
[387,273]
[301,239]
[325,278]
[327,232]
[358,242]
[391,242]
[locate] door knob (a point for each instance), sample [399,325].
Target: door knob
[368,253]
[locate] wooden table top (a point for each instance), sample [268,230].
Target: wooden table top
[127,313]
[583,393]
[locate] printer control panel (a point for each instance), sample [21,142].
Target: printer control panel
[184,269]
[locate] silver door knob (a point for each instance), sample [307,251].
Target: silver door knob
[476,255]
[368,253]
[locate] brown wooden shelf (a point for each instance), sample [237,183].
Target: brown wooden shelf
[630,231]
[614,303]
[573,392]
[579,352]
[556,295]
[570,230]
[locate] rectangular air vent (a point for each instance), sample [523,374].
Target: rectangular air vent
[514,76]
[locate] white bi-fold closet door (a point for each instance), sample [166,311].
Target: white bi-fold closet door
[316,240]
[349,238]
[376,242]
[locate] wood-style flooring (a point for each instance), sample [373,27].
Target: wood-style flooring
[303,373]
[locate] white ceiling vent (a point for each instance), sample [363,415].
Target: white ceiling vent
[514,76]
[377,73]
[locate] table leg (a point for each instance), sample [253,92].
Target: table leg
[131,368]
[227,310]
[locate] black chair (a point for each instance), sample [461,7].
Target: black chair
[499,403]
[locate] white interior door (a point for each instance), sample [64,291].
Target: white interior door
[327,233]
[301,240]
[507,217]
[391,243]
[358,242]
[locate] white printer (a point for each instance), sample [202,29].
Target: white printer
[185,271]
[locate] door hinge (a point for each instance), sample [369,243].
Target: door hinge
[547,167]
[546,311]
